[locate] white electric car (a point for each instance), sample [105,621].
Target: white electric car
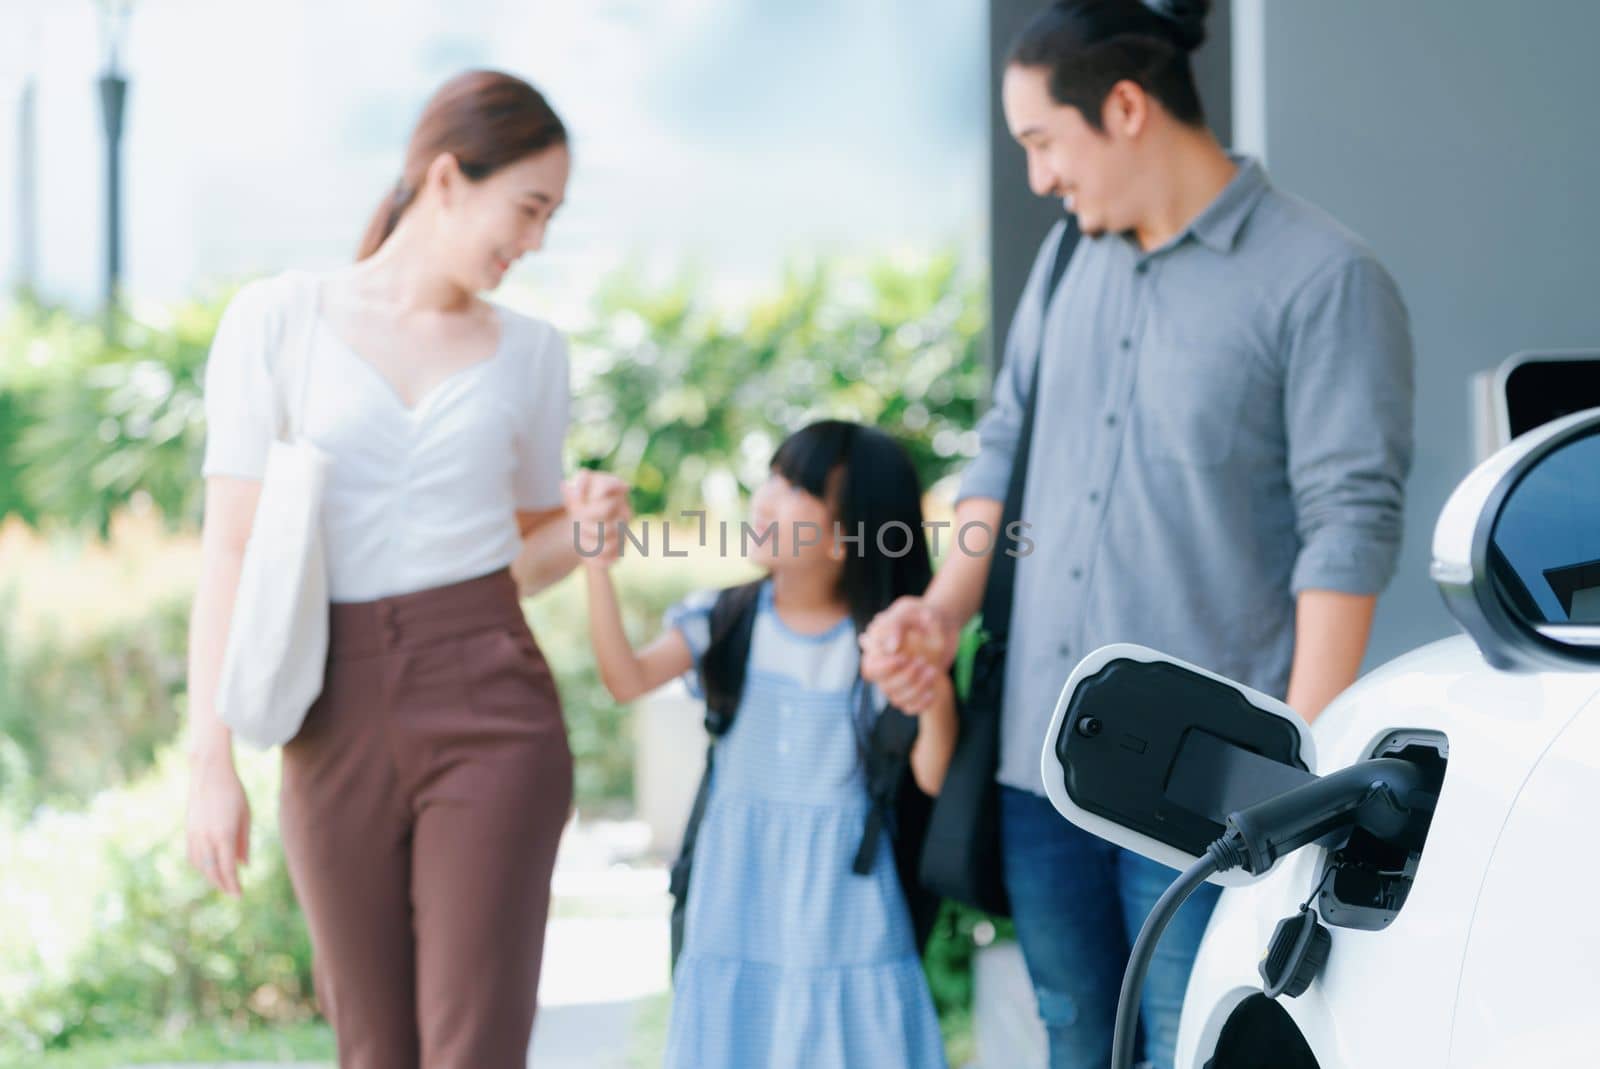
[1447,914]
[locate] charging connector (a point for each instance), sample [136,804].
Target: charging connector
[1378,796]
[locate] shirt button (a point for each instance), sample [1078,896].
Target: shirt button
[1077,573]
[1064,649]
[1094,497]
[1111,419]
[1143,268]
[1127,343]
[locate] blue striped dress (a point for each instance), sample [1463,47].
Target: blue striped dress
[790,959]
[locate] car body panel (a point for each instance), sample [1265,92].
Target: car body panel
[1389,998]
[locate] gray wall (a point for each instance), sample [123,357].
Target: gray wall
[1018,220]
[1459,138]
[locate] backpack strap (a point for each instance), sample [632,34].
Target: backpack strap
[997,591]
[722,670]
[722,666]
[887,758]
[899,808]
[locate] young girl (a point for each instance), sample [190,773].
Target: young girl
[789,957]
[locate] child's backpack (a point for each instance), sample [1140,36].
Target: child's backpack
[898,805]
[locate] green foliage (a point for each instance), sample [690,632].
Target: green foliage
[79,715]
[88,426]
[154,951]
[310,1042]
[668,391]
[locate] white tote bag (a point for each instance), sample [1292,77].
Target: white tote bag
[278,637]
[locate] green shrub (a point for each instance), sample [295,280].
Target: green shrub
[124,938]
[88,426]
[668,390]
[80,715]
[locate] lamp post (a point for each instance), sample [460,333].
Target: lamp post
[25,274]
[113,98]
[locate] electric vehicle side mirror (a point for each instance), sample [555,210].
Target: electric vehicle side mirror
[1516,552]
[1153,754]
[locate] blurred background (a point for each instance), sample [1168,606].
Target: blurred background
[778,211]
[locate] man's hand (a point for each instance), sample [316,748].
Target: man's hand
[906,651]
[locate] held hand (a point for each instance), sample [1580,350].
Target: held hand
[596,497]
[914,627]
[218,824]
[938,691]
[906,651]
[597,502]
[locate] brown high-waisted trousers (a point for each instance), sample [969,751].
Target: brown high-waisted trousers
[421,806]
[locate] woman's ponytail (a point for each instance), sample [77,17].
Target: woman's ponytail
[384,220]
[486,120]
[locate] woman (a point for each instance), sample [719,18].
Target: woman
[424,796]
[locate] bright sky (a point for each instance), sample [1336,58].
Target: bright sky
[727,134]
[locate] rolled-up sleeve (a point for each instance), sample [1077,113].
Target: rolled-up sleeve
[989,474]
[1348,411]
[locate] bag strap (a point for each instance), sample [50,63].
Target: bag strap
[888,756]
[722,671]
[291,344]
[722,666]
[899,809]
[1003,566]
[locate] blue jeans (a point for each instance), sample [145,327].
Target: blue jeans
[1078,902]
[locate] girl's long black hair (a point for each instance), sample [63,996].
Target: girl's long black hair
[877,499]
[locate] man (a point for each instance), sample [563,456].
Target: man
[1222,435]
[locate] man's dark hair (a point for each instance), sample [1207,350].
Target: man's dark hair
[1088,46]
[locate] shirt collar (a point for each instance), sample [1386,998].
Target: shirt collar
[1218,226]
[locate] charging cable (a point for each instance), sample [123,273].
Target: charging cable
[1379,795]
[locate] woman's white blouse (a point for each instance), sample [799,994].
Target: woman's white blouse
[417,497]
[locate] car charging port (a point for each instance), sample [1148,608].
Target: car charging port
[1387,796]
[1365,880]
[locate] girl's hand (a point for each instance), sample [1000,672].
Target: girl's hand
[597,503]
[596,497]
[906,651]
[938,696]
[218,832]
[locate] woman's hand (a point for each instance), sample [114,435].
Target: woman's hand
[218,819]
[597,503]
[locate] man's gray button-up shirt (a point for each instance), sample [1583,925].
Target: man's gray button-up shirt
[1222,422]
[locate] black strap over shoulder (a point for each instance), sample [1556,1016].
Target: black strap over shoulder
[733,621]
[961,859]
[901,808]
[1003,567]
